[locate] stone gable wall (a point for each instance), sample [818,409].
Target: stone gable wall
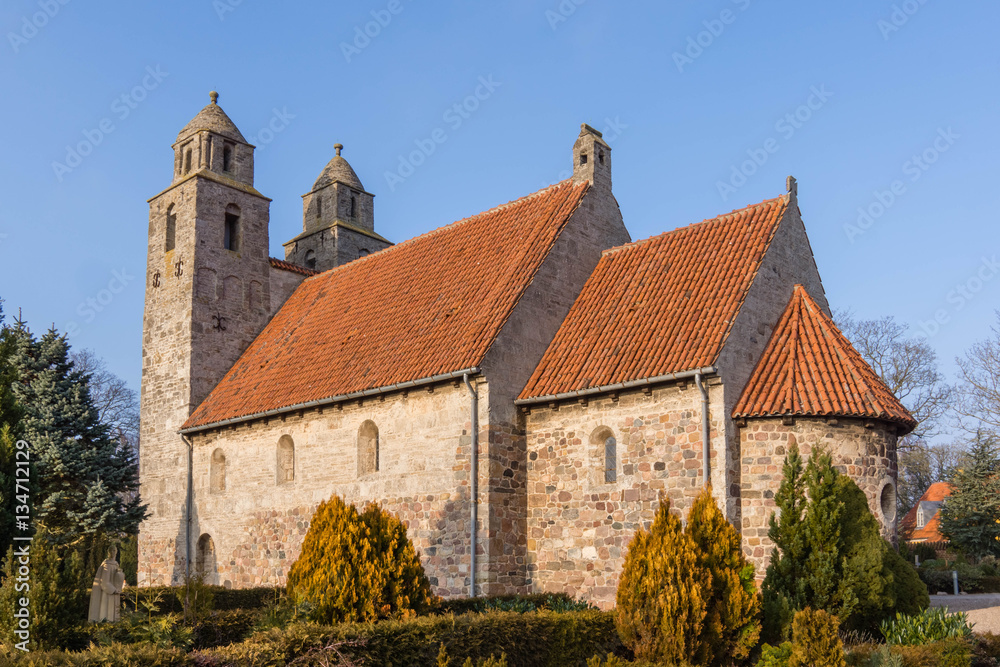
[864,450]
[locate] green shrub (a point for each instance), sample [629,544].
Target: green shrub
[358,567]
[128,558]
[221,628]
[939,581]
[522,603]
[948,653]
[115,655]
[662,593]
[830,554]
[223,599]
[732,622]
[775,656]
[929,626]
[815,642]
[145,626]
[542,639]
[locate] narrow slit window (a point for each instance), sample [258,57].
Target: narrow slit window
[227,157]
[610,460]
[187,161]
[354,206]
[231,235]
[319,207]
[171,229]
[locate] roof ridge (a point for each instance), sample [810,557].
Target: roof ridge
[719,218]
[444,228]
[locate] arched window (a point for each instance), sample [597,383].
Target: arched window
[354,206]
[603,441]
[217,475]
[310,259]
[227,156]
[363,253]
[171,228]
[205,565]
[231,236]
[187,161]
[286,459]
[367,448]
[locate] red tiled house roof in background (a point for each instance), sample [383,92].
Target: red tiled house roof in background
[930,532]
[658,306]
[288,266]
[809,368]
[428,306]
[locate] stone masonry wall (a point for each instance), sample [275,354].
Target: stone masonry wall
[257,523]
[578,525]
[864,450]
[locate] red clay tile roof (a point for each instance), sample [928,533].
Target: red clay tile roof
[931,532]
[428,306]
[810,368]
[288,266]
[658,306]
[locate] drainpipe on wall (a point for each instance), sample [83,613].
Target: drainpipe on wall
[187,526]
[706,433]
[474,483]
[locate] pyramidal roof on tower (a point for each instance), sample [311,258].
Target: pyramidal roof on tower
[809,368]
[213,119]
[338,169]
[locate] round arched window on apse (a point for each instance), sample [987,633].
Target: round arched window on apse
[887,501]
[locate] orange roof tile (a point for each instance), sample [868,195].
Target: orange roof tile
[930,532]
[288,266]
[658,306]
[810,368]
[428,306]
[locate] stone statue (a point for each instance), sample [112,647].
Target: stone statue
[105,596]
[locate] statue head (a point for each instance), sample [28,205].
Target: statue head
[113,552]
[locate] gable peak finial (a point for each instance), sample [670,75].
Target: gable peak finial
[793,186]
[338,148]
[214,96]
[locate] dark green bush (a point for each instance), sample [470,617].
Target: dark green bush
[221,628]
[521,603]
[223,599]
[542,639]
[937,581]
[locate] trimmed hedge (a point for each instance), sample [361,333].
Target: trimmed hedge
[523,603]
[542,639]
[223,599]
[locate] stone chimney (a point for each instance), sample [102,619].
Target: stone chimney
[592,159]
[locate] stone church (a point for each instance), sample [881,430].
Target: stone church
[519,387]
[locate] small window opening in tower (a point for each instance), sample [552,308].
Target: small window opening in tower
[187,161]
[319,207]
[363,253]
[310,259]
[231,235]
[171,228]
[583,158]
[600,157]
[354,206]
[227,156]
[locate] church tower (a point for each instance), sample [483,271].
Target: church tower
[338,220]
[207,298]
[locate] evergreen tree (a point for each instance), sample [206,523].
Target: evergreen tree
[10,419]
[663,593]
[358,566]
[732,624]
[970,517]
[784,589]
[86,482]
[830,555]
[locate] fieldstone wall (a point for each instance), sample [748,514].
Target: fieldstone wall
[579,526]
[256,520]
[864,450]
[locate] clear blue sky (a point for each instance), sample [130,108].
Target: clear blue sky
[923,82]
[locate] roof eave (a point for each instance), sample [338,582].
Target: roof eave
[376,391]
[618,386]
